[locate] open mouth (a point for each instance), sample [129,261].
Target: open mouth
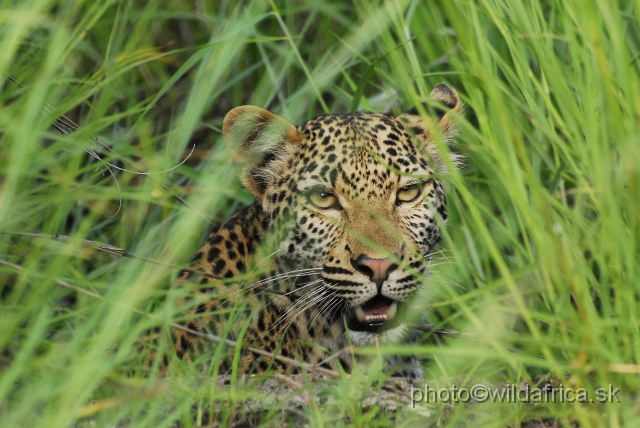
[377,314]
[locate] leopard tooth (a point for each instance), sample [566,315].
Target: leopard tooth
[391,312]
[360,313]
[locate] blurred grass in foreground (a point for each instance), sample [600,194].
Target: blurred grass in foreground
[541,251]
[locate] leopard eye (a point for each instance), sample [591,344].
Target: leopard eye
[408,193]
[322,200]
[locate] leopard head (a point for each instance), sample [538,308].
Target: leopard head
[355,199]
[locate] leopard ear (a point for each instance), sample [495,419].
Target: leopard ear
[448,98]
[256,139]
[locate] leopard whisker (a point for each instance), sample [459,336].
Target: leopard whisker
[279,278]
[300,287]
[326,305]
[302,301]
[308,300]
[288,318]
[323,307]
[449,282]
[282,293]
[276,279]
[340,303]
[288,275]
[320,301]
[441,254]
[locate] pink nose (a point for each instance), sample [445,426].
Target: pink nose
[377,270]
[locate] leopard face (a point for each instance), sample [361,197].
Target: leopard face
[347,215]
[356,199]
[366,216]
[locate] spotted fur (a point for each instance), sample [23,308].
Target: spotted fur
[301,269]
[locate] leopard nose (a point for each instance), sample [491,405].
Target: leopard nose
[377,270]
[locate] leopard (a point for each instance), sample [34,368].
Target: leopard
[348,214]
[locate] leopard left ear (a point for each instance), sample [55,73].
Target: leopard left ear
[257,139]
[448,98]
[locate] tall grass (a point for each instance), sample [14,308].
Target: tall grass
[541,251]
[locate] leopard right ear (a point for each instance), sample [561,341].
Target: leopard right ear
[257,139]
[449,101]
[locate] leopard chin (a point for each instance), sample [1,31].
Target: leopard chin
[391,336]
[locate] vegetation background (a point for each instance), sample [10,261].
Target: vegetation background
[541,253]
